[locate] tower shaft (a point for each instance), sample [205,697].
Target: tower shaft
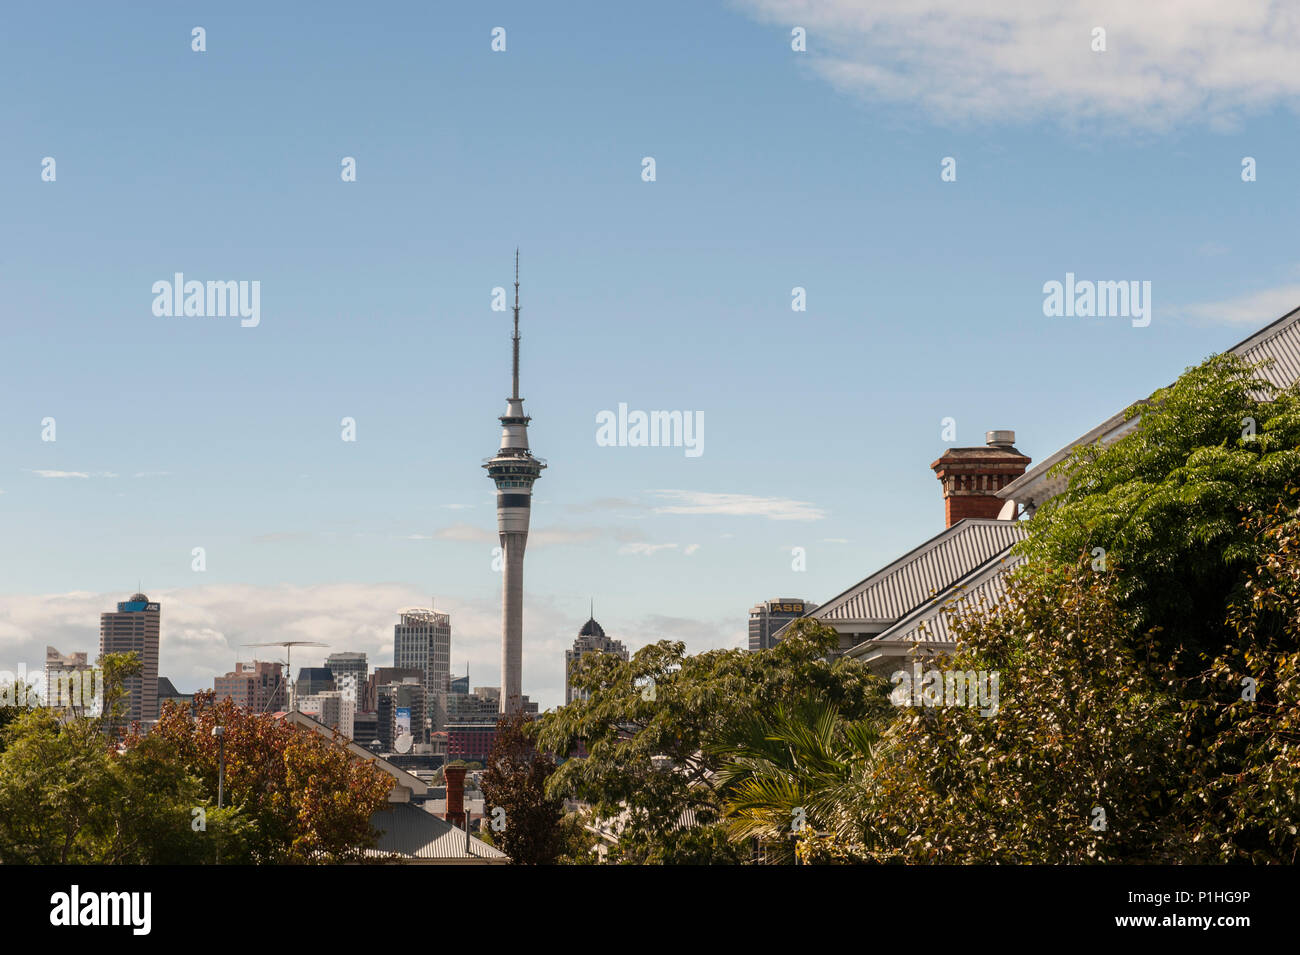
[512,622]
[513,469]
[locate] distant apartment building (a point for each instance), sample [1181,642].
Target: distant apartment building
[591,639]
[422,641]
[70,682]
[473,708]
[134,628]
[384,676]
[767,618]
[330,708]
[365,728]
[470,736]
[471,742]
[256,687]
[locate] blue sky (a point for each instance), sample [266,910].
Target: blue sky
[774,169]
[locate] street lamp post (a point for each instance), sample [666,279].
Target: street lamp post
[219,732]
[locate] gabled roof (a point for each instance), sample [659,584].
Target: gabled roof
[401,778]
[413,834]
[913,579]
[931,622]
[1279,341]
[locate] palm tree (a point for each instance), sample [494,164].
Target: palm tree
[802,773]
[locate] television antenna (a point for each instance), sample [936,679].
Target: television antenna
[288,663]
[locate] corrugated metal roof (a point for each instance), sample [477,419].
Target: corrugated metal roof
[914,578]
[931,623]
[1280,341]
[412,833]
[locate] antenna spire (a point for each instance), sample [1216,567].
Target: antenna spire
[515,378]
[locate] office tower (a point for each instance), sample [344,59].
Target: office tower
[513,469]
[402,709]
[313,680]
[257,687]
[134,628]
[422,641]
[591,639]
[349,662]
[767,618]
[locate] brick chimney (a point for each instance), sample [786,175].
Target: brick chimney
[455,776]
[972,476]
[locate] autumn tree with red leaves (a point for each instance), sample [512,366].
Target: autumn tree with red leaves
[308,799]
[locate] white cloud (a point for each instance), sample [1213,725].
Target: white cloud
[72,474]
[690,549]
[1252,309]
[739,505]
[645,549]
[1165,60]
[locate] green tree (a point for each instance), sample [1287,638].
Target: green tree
[1166,503]
[68,795]
[1242,794]
[1076,764]
[793,776]
[515,783]
[649,724]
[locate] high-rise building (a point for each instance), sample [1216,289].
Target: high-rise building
[257,687]
[591,639]
[349,662]
[402,710]
[767,618]
[167,692]
[312,680]
[513,469]
[422,641]
[135,628]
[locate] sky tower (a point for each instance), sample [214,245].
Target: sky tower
[514,469]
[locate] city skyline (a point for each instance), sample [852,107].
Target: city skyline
[774,170]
